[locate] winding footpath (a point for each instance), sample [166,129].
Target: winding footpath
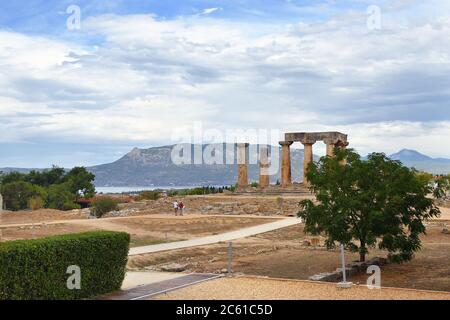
[228,236]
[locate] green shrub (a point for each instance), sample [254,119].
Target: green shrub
[35,203]
[102,206]
[17,194]
[149,195]
[37,269]
[198,191]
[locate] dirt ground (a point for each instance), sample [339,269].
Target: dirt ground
[38,216]
[282,254]
[254,288]
[144,230]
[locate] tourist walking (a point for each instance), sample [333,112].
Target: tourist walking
[181,207]
[175,207]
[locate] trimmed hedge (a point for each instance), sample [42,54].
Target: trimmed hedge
[36,269]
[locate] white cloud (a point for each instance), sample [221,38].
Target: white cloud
[388,89]
[210,10]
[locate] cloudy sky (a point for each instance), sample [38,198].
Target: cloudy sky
[137,70]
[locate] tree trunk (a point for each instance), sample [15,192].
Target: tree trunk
[362,251]
[362,257]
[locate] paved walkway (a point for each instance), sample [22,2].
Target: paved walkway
[228,236]
[135,279]
[153,289]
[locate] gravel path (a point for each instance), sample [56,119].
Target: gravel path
[255,288]
[228,236]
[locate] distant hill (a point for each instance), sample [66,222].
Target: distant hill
[409,155]
[21,170]
[153,166]
[415,159]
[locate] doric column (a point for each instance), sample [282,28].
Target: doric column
[343,145]
[286,175]
[264,166]
[242,157]
[330,147]
[308,153]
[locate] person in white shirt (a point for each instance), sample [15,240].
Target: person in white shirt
[175,207]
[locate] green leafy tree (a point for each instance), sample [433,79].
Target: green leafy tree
[81,182]
[14,176]
[60,197]
[46,178]
[16,194]
[365,203]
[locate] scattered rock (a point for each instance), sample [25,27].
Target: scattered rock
[377,261]
[445,231]
[151,268]
[224,271]
[326,276]
[348,271]
[306,243]
[123,212]
[173,267]
[360,266]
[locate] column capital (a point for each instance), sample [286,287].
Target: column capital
[343,144]
[330,141]
[308,141]
[286,143]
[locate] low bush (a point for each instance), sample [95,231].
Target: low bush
[38,269]
[199,191]
[102,206]
[149,195]
[35,203]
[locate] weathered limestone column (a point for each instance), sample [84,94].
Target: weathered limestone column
[286,174]
[1,202]
[264,166]
[330,147]
[242,157]
[308,159]
[343,145]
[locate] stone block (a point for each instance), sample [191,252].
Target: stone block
[326,277]
[173,267]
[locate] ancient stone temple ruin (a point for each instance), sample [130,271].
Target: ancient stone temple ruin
[308,139]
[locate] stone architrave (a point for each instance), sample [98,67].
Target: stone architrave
[242,160]
[286,174]
[264,166]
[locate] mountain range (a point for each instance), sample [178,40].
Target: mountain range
[154,167]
